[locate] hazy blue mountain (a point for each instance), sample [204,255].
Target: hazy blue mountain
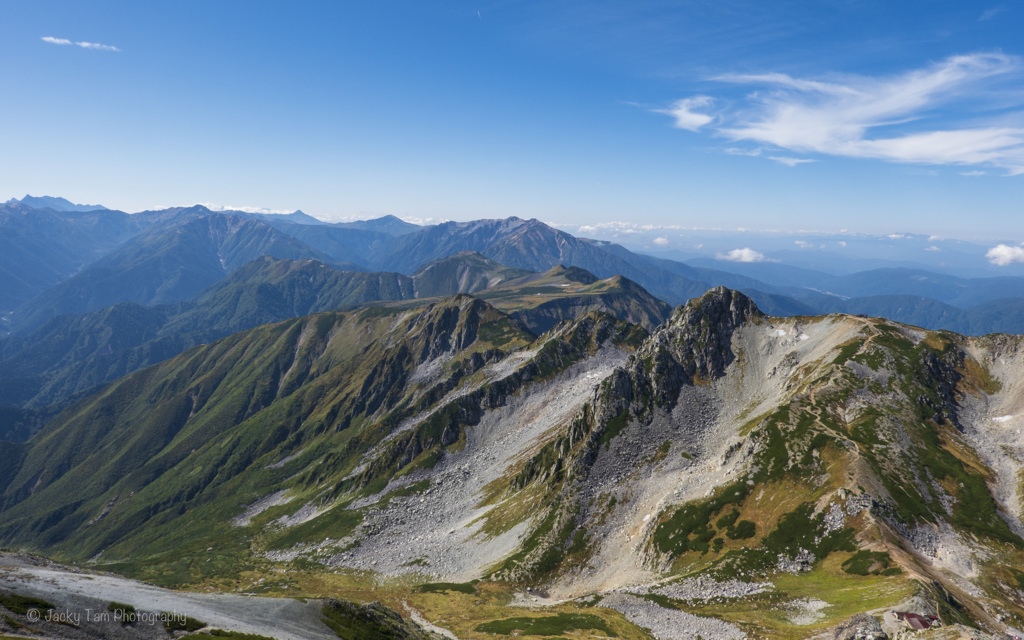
[1004,315]
[57,204]
[388,224]
[41,247]
[774,273]
[352,246]
[295,217]
[960,292]
[807,283]
[166,263]
[464,272]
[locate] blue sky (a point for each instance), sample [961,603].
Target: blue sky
[867,116]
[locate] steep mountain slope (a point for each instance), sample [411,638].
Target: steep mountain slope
[167,263]
[349,379]
[826,465]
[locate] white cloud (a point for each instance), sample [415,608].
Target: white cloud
[217,207]
[898,236]
[803,244]
[1002,255]
[686,117]
[842,243]
[974,173]
[423,222]
[894,118]
[789,162]
[736,151]
[661,242]
[741,255]
[85,45]
[932,248]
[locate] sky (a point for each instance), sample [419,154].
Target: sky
[866,116]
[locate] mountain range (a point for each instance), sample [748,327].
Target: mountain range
[496,428]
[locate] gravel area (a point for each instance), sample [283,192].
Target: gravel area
[994,425]
[805,611]
[282,618]
[704,588]
[670,624]
[437,532]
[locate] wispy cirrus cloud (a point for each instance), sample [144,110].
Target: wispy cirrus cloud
[85,45]
[687,115]
[911,117]
[788,161]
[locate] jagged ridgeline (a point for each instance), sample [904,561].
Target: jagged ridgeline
[449,441]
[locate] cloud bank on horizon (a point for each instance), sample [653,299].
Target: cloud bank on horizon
[950,113]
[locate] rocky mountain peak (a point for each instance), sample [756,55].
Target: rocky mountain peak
[720,306]
[699,334]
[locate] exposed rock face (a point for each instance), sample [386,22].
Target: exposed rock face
[859,627]
[704,329]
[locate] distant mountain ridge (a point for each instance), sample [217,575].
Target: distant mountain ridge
[48,248]
[73,353]
[55,203]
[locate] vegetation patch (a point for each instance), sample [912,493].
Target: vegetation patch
[174,623]
[23,604]
[797,531]
[689,527]
[124,613]
[441,587]
[546,626]
[220,634]
[866,562]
